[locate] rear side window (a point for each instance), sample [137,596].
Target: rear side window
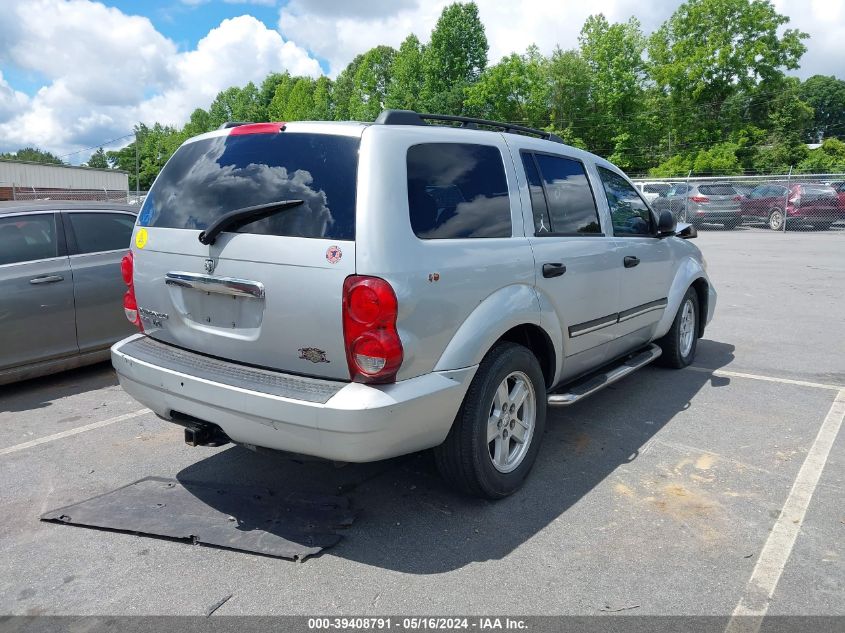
[26,238]
[97,232]
[208,178]
[457,190]
[717,190]
[571,207]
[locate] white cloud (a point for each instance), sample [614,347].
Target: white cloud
[12,101]
[824,20]
[107,71]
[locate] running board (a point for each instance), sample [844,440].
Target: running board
[580,390]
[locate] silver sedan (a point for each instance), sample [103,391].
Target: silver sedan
[61,291]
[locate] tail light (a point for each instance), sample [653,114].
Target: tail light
[700,199]
[130,304]
[736,198]
[795,198]
[373,348]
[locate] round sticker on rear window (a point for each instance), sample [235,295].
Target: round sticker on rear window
[333,254]
[141,238]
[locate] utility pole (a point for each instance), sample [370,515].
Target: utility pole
[137,179]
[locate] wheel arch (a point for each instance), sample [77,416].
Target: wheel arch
[512,313]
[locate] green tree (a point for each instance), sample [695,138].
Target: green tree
[709,50]
[344,87]
[788,120]
[278,104]
[406,83]
[321,103]
[719,160]
[455,57]
[267,92]
[300,101]
[98,159]
[827,159]
[614,55]
[33,155]
[826,95]
[199,123]
[370,84]
[570,86]
[514,90]
[156,145]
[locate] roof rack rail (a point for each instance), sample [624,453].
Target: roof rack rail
[410,117]
[229,124]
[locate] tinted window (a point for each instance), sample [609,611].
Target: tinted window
[678,190]
[630,215]
[96,232]
[717,190]
[571,205]
[540,210]
[457,190]
[25,238]
[207,178]
[658,189]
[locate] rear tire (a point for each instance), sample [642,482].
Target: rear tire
[776,219]
[681,340]
[505,401]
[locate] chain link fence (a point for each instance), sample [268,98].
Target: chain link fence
[90,195]
[780,202]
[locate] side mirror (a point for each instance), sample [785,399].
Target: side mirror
[666,224]
[687,232]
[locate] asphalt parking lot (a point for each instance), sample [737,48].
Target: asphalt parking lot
[660,495]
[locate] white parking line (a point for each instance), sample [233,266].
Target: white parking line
[754,603]
[786,381]
[69,432]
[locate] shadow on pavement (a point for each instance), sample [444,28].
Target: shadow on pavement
[37,393]
[410,521]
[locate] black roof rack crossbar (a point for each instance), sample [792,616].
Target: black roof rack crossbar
[409,117]
[228,124]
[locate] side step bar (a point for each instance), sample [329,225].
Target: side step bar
[580,390]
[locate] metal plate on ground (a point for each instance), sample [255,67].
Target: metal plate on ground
[248,518]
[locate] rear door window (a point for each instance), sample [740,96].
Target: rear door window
[98,232]
[457,190]
[210,177]
[26,238]
[572,208]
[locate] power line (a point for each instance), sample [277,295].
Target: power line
[98,146]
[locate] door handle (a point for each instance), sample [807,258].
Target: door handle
[630,261]
[46,279]
[553,270]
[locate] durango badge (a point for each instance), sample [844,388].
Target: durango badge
[313,354]
[333,254]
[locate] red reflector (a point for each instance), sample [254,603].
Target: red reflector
[258,128]
[126,265]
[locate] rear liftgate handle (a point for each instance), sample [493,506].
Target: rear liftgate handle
[630,261]
[553,270]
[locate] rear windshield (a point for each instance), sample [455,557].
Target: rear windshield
[717,190]
[656,188]
[207,178]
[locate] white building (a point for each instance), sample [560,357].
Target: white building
[27,181]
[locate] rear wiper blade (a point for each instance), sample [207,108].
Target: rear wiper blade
[241,217]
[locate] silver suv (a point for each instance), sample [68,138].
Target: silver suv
[359,291]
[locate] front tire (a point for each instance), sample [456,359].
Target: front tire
[496,436]
[681,340]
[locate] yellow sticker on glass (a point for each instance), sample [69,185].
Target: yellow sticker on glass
[141,238]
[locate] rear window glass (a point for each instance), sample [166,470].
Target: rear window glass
[717,190]
[208,178]
[656,188]
[457,190]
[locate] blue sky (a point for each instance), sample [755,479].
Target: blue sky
[77,73]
